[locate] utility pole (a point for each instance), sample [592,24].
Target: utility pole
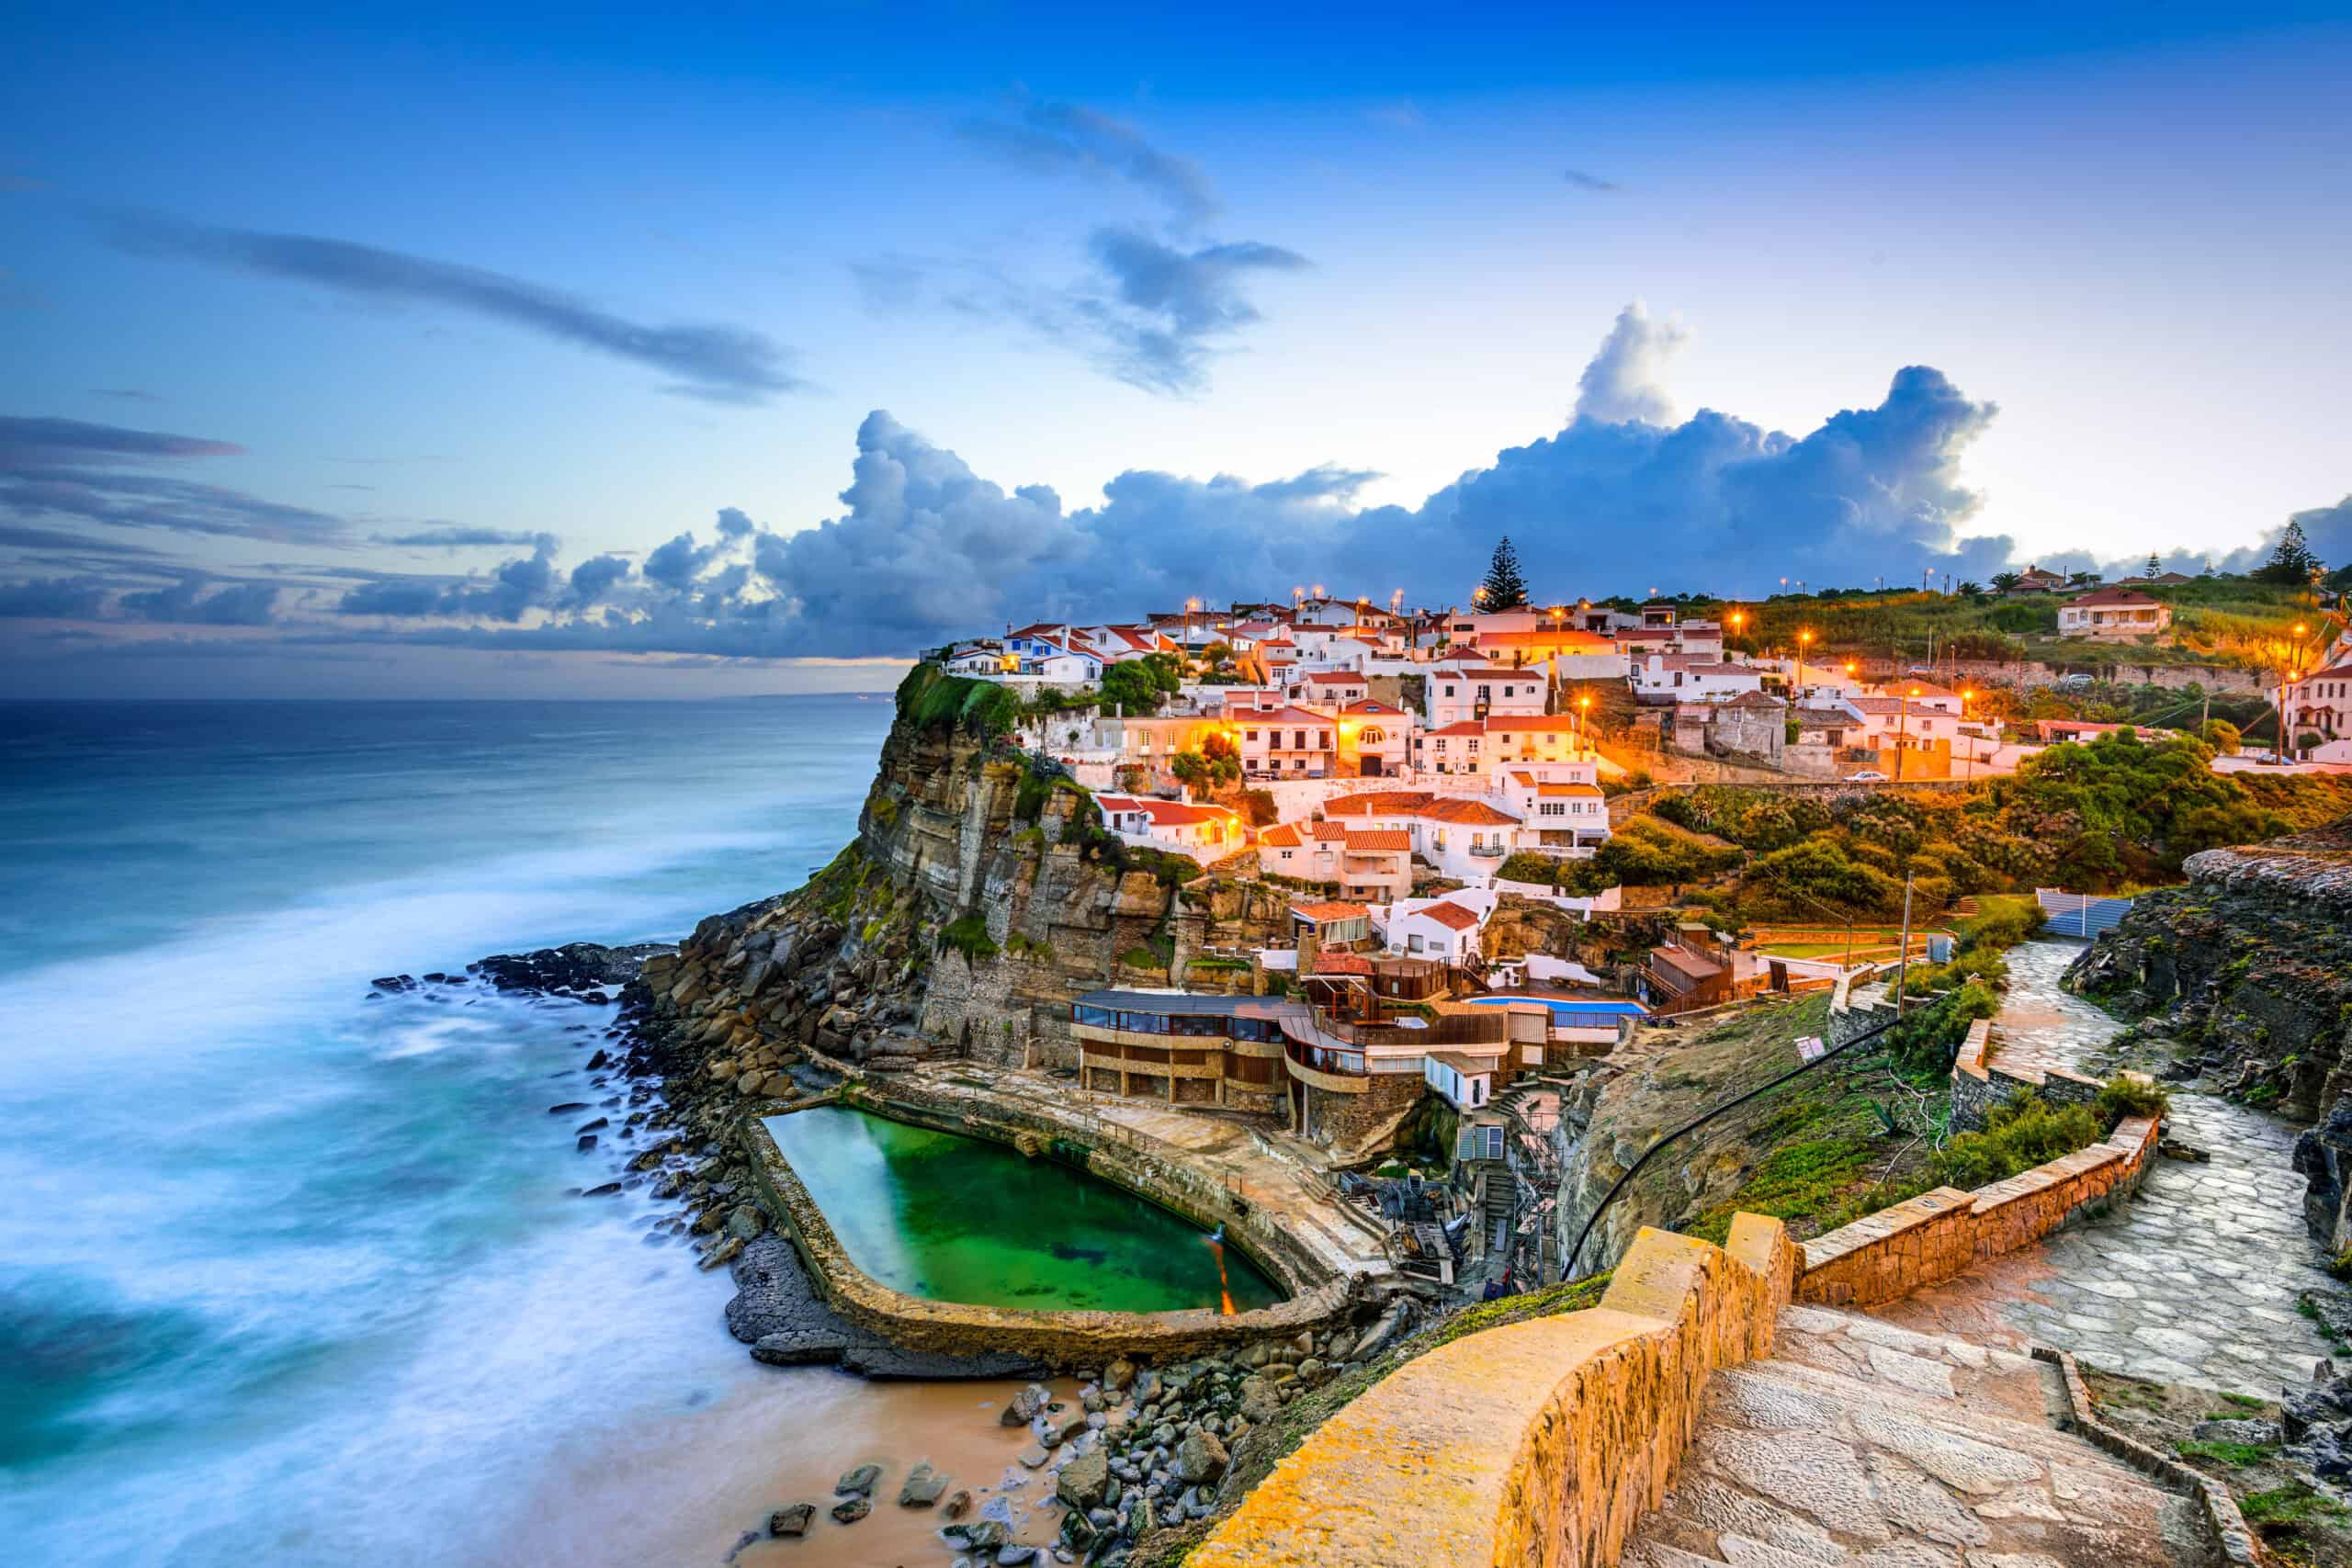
[1902,972]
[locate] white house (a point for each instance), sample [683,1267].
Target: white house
[1453,693]
[1375,740]
[1332,688]
[1689,677]
[1898,721]
[1457,748]
[1372,865]
[1288,743]
[1173,824]
[1552,746]
[1464,1078]
[2320,703]
[1555,816]
[2113,612]
[1445,929]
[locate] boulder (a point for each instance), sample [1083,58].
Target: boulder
[1118,1374]
[922,1488]
[860,1480]
[1082,1481]
[1025,1406]
[851,1510]
[958,1505]
[1200,1457]
[746,1222]
[792,1522]
[976,1535]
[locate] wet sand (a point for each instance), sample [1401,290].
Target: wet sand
[686,1488]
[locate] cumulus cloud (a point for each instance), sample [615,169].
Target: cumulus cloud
[715,362]
[1061,137]
[186,602]
[594,578]
[528,583]
[455,535]
[1627,379]
[68,469]
[60,598]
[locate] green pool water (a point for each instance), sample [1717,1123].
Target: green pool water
[957,1219]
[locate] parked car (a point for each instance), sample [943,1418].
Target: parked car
[1868,776]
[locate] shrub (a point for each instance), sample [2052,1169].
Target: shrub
[2121,1096]
[1649,852]
[2020,1134]
[1258,805]
[968,934]
[2001,924]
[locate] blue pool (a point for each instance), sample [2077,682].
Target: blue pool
[1573,1012]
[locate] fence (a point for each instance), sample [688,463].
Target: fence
[2079,914]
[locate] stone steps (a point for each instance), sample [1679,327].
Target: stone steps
[1861,1442]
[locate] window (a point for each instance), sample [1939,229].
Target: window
[1449,691]
[1439,743]
[1251,736]
[1374,736]
[1552,808]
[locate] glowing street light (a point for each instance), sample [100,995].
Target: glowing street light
[1802,638]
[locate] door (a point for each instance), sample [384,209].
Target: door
[1370,767]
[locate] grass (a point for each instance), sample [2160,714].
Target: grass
[2297,1502]
[2237,1455]
[968,934]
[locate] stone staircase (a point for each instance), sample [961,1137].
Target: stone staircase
[1861,1442]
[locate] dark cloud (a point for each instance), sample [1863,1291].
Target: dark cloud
[125,394]
[1585,180]
[733,524]
[1170,306]
[59,598]
[454,535]
[528,583]
[186,602]
[58,540]
[596,577]
[676,564]
[1055,137]
[71,469]
[715,362]
[2326,529]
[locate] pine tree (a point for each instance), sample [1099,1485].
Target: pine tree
[2292,562]
[2155,568]
[1504,589]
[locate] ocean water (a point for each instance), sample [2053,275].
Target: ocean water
[957,1219]
[287,1276]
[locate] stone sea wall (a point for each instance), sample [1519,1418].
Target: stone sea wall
[1884,1256]
[1544,1442]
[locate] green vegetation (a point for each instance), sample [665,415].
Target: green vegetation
[968,934]
[2018,1135]
[1652,851]
[2237,1455]
[2121,1097]
[2297,1502]
[1215,766]
[930,698]
[1139,685]
[1503,588]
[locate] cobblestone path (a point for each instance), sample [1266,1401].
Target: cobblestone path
[2194,1280]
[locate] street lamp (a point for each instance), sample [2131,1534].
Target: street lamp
[1902,729]
[1970,775]
[1802,638]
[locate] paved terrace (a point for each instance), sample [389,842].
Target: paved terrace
[2194,1281]
[1277,1175]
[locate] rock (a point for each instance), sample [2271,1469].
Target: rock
[574,967]
[849,1510]
[1034,1457]
[567,1106]
[922,1488]
[585,1142]
[746,1222]
[958,1505]
[793,1522]
[598,1126]
[726,1252]
[1303,1345]
[2260,1433]
[1311,1370]
[1025,1407]
[1013,1554]
[1061,1427]
[1200,1457]
[605,1189]
[860,1480]
[976,1535]
[1118,1374]
[1082,1481]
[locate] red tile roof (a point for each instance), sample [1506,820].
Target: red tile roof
[1378,839]
[1452,915]
[1383,802]
[1461,727]
[1373,706]
[1283,837]
[1330,911]
[2103,597]
[1541,723]
[1337,677]
[1343,963]
[1468,813]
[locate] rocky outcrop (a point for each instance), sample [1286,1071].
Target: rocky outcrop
[2246,975]
[2246,971]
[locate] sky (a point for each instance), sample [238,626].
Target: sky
[463,351]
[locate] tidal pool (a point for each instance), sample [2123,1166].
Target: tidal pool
[957,1219]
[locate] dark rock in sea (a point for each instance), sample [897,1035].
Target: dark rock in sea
[567,1108]
[573,966]
[596,998]
[860,1480]
[851,1511]
[609,1190]
[601,1059]
[976,1535]
[792,1523]
[587,1141]
[597,1125]
[394,982]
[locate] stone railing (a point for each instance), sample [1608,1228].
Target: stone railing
[1937,1234]
[1543,1441]
[1980,1083]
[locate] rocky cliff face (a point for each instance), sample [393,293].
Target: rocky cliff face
[978,899]
[2247,976]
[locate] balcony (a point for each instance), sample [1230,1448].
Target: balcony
[1486,852]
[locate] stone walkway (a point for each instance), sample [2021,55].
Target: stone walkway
[1860,1442]
[2194,1281]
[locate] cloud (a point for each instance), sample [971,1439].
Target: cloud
[234,604]
[1169,306]
[59,598]
[58,540]
[125,394]
[1627,379]
[454,535]
[526,583]
[1585,180]
[594,578]
[1061,138]
[70,469]
[717,363]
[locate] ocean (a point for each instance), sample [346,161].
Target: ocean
[289,1276]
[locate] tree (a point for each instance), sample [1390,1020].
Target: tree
[1141,685]
[2293,563]
[2155,568]
[1971,589]
[1504,588]
[2005,580]
[2220,734]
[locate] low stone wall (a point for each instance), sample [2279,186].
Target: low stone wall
[1978,1085]
[1544,1442]
[1931,1238]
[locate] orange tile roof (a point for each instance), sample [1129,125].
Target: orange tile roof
[1327,832]
[1374,705]
[1546,723]
[1462,726]
[1468,813]
[1380,801]
[1378,839]
[1337,677]
[1343,963]
[1330,911]
[1451,914]
[1567,789]
[1284,837]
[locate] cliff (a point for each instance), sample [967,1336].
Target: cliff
[2246,975]
[980,896]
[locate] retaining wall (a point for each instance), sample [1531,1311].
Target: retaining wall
[1931,1238]
[1544,1442]
[1060,1339]
[1978,1085]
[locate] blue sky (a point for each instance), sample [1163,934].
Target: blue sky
[973,312]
